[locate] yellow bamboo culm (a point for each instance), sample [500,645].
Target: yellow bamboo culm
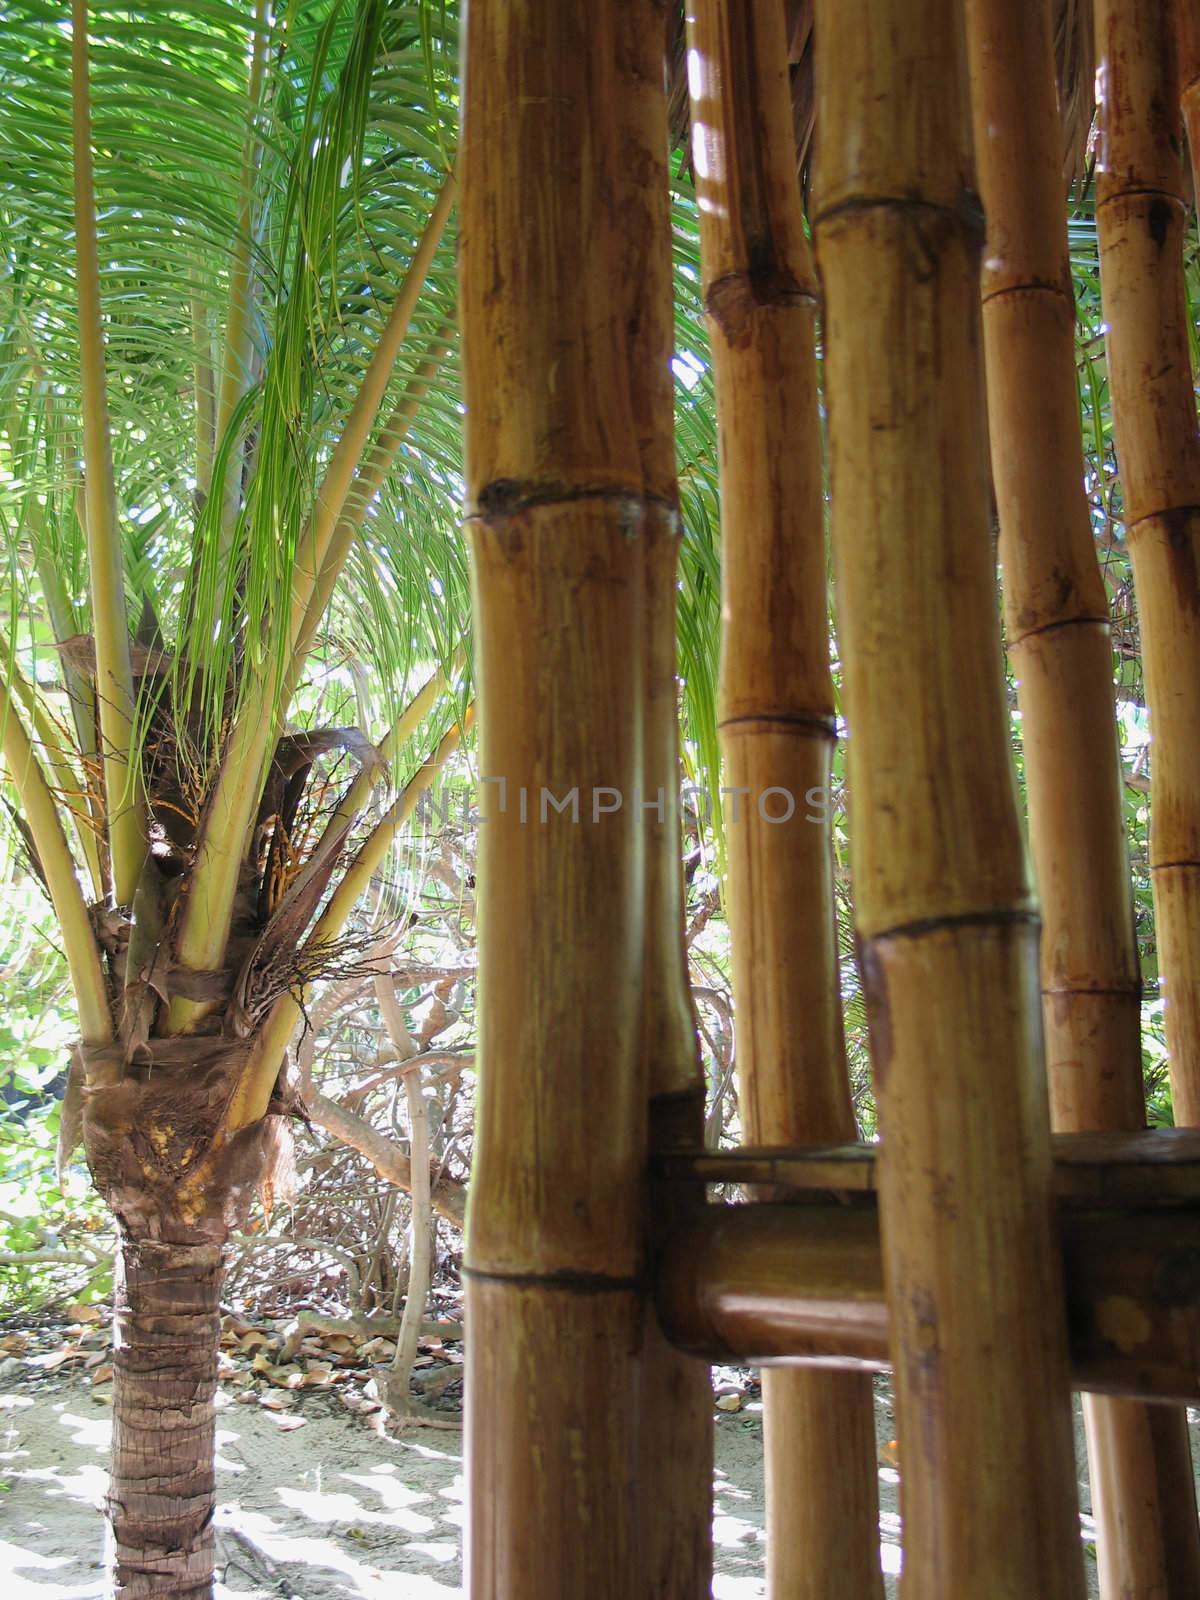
[1141,216]
[1057,622]
[556,529]
[674,1394]
[946,920]
[777,735]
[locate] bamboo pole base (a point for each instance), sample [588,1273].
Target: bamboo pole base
[1139,1461]
[554,1457]
[824,1544]
[674,1393]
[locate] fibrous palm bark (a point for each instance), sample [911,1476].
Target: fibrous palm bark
[945,917]
[1056,613]
[778,731]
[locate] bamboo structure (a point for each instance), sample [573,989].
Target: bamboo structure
[946,920]
[1058,633]
[557,530]
[673,1396]
[1188,20]
[803,1284]
[777,730]
[1141,216]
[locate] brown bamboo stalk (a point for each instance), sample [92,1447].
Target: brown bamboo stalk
[1056,614]
[555,507]
[674,1397]
[1188,21]
[777,734]
[945,916]
[1141,215]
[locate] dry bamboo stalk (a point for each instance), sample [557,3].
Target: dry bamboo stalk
[1188,20]
[777,734]
[554,486]
[1141,216]
[1056,614]
[674,1395]
[945,917]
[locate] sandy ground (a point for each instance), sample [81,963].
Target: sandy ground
[330,1508]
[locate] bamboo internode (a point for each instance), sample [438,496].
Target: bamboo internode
[944,910]
[1056,616]
[1141,217]
[777,731]
[557,530]
[674,1400]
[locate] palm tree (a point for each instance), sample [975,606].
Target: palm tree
[226,295]
[230,478]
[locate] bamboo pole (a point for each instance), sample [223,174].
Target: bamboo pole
[945,917]
[777,732]
[1188,22]
[674,1397]
[1141,216]
[1056,614]
[556,527]
[803,1286]
[124,801]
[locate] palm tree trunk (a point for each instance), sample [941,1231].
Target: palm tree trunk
[674,1396]
[946,922]
[777,730]
[1056,613]
[1141,216]
[166,1332]
[556,526]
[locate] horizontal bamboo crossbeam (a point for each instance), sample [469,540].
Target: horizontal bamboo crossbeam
[796,1285]
[1150,1169]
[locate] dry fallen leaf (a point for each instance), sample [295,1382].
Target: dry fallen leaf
[82,1313]
[102,1374]
[57,1358]
[729,1402]
[256,1339]
[276,1400]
